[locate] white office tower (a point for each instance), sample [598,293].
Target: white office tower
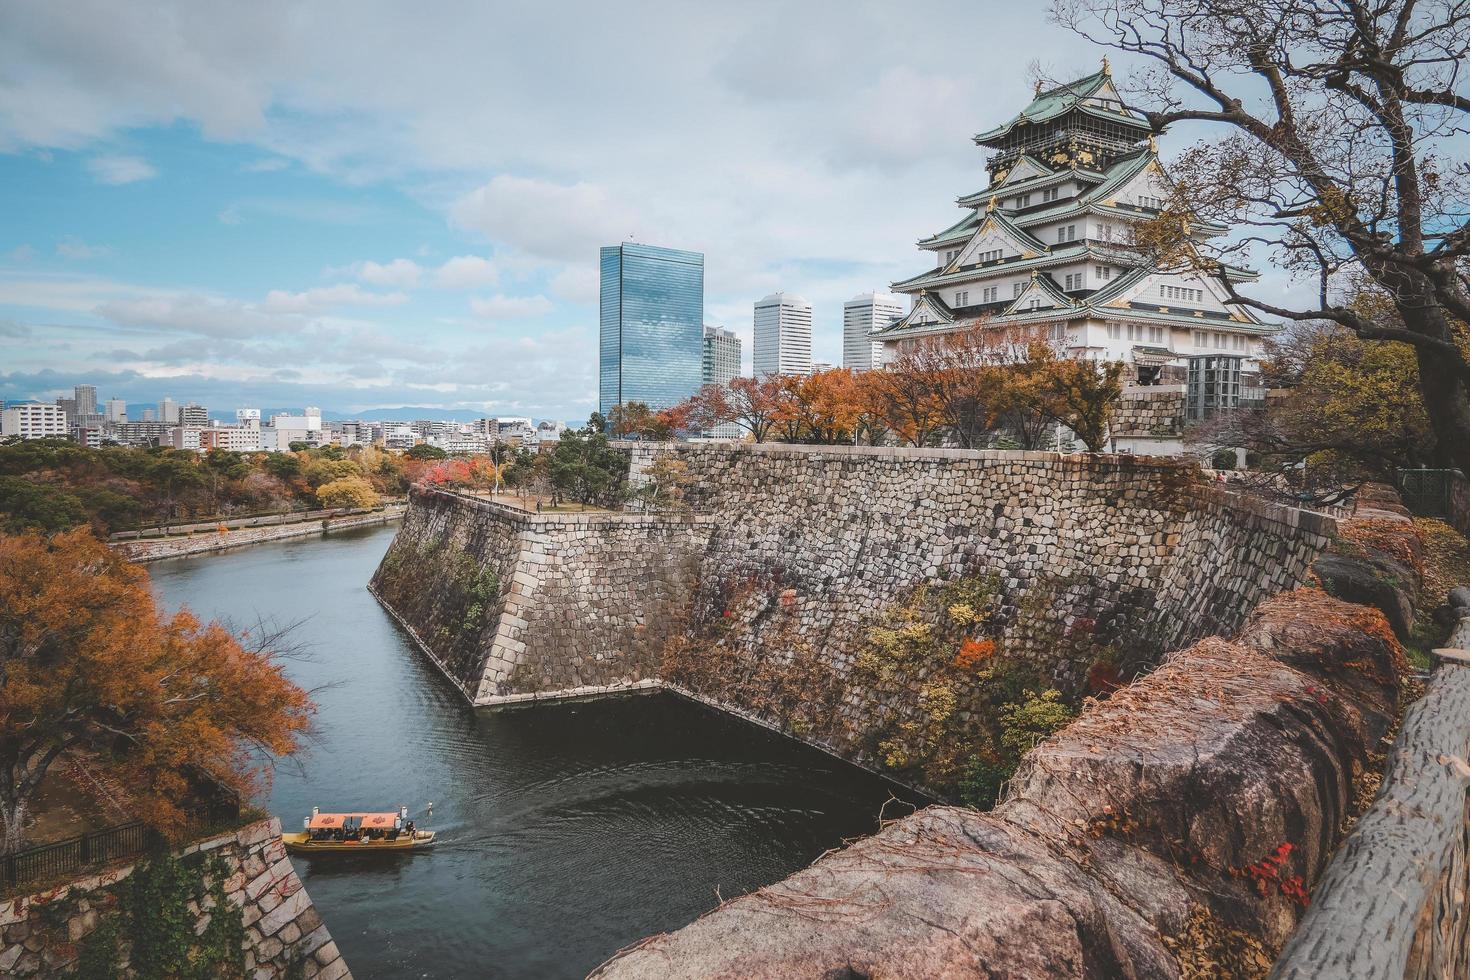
[168,411]
[861,315]
[117,410]
[783,335]
[247,418]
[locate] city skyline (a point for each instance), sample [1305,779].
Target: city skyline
[202,215]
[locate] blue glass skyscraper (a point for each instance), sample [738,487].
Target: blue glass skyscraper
[652,325]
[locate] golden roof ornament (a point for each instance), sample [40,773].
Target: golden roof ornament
[1038,86]
[1153,146]
[1107,69]
[991,206]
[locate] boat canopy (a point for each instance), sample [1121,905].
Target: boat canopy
[372,821]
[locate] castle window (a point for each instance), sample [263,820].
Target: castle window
[1073,281]
[1115,331]
[1050,194]
[1135,331]
[988,296]
[1067,233]
[962,298]
[1023,200]
[1156,335]
[1017,288]
[1105,272]
[1058,331]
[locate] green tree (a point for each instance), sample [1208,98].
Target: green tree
[283,466]
[586,468]
[26,505]
[424,451]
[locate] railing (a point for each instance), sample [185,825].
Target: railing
[47,862]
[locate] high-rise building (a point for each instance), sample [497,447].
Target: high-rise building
[651,325]
[861,316]
[117,410]
[721,366]
[721,356]
[1047,251]
[783,335]
[247,418]
[150,415]
[168,411]
[86,398]
[33,420]
[194,414]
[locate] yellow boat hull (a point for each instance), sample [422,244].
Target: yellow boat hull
[301,843]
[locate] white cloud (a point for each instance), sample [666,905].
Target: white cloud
[328,297]
[74,248]
[21,253]
[197,316]
[566,222]
[466,272]
[400,272]
[509,307]
[120,169]
[577,284]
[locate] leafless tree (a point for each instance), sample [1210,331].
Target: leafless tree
[1342,120]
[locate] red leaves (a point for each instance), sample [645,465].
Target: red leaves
[973,653]
[1268,877]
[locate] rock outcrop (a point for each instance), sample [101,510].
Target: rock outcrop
[1181,820]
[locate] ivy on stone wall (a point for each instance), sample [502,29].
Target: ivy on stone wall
[153,928]
[446,589]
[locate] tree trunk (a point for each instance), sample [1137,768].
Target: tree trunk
[1446,399]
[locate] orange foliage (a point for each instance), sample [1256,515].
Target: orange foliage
[973,653]
[88,663]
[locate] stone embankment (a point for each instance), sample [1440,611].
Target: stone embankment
[45,934]
[761,597]
[156,549]
[1173,830]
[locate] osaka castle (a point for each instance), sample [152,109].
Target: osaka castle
[1047,245]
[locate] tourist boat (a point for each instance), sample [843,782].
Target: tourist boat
[359,833]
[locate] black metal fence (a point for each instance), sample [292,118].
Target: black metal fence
[48,862]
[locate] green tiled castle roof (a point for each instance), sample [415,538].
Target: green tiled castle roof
[1054,102]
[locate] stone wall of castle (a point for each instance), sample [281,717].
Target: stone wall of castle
[760,594]
[45,934]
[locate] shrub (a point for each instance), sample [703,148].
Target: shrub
[1027,722]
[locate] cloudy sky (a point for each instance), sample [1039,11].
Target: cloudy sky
[370,205]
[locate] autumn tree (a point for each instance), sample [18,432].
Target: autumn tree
[1077,393]
[88,664]
[1342,129]
[349,491]
[750,403]
[906,395]
[1340,414]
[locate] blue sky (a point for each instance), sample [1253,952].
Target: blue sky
[370,205]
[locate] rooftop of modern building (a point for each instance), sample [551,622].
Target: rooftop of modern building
[863,299]
[783,298]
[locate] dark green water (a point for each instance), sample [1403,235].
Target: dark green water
[567,831]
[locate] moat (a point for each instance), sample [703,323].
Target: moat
[568,830]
